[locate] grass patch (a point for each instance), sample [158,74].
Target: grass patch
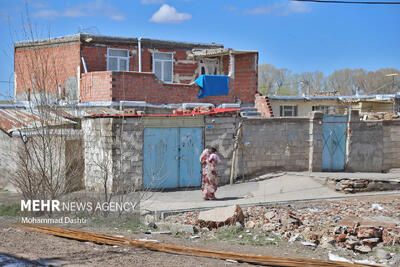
[393,249]
[239,236]
[10,210]
[123,223]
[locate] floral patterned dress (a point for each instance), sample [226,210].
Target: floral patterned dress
[209,179]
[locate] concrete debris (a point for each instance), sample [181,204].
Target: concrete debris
[305,243]
[363,249]
[176,228]
[376,206]
[363,185]
[159,233]
[382,254]
[201,109]
[152,225]
[354,225]
[334,257]
[219,217]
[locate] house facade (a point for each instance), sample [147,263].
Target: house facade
[301,106]
[90,68]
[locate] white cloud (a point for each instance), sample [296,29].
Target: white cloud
[46,14]
[230,8]
[149,2]
[298,7]
[280,9]
[39,4]
[168,14]
[90,9]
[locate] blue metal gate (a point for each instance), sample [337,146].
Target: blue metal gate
[171,157]
[334,133]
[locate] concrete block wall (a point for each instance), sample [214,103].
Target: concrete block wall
[98,140]
[315,142]
[391,144]
[219,133]
[276,144]
[9,147]
[128,152]
[365,146]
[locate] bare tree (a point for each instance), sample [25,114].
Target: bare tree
[49,162]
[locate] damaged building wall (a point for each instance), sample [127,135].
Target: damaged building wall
[135,86]
[52,66]
[185,66]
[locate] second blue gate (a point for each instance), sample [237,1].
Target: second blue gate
[171,157]
[334,134]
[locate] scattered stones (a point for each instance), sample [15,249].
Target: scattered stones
[250,225]
[363,185]
[333,225]
[383,254]
[363,249]
[152,225]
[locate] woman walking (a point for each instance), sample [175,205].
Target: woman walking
[209,160]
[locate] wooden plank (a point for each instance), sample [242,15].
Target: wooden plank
[249,258]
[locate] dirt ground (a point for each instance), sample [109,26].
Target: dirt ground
[50,250]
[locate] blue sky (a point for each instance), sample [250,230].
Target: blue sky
[298,36]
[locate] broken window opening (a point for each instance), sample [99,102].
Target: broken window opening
[209,66]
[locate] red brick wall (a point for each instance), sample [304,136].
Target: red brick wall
[100,85]
[135,86]
[245,77]
[263,106]
[50,66]
[96,60]
[96,86]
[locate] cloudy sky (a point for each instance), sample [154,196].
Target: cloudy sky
[298,36]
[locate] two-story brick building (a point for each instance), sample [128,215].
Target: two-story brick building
[92,68]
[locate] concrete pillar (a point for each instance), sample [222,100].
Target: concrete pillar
[315,142]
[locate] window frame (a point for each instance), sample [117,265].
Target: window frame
[323,108]
[118,59]
[293,107]
[162,65]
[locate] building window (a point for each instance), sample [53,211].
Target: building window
[163,66]
[323,109]
[288,111]
[117,59]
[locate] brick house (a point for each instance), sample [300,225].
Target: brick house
[92,68]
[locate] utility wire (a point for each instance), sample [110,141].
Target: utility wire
[351,2]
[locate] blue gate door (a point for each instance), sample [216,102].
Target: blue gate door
[334,133]
[190,148]
[161,158]
[171,157]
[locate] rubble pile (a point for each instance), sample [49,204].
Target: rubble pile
[355,225]
[202,109]
[379,116]
[362,185]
